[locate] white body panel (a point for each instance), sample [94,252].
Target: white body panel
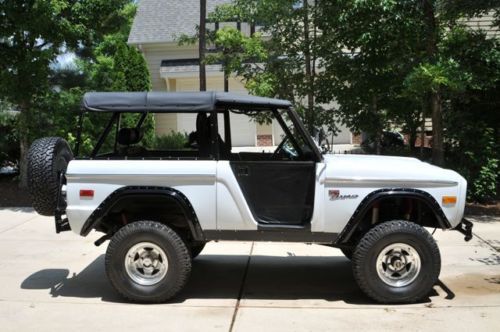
[218,201]
[362,174]
[233,212]
[195,179]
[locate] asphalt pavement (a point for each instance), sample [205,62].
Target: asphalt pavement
[56,282]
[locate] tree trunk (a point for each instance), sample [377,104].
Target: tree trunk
[23,162]
[422,133]
[437,130]
[378,147]
[378,129]
[309,74]
[226,81]
[23,144]
[201,45]
[435,97]
[412,139]
[413,124]
[313,55]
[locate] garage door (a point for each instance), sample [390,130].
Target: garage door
[243,130]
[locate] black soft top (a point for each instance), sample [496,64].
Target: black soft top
[165,102]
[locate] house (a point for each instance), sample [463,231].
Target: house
[485,23]
[156,27]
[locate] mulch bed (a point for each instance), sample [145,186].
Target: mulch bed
[10,193]
[13,196]
[492,209]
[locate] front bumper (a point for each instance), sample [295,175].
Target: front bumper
[465,227]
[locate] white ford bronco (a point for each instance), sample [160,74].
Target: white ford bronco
[159,207]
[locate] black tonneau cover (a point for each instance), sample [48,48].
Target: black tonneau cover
[165,102]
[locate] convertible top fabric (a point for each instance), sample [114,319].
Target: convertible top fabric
[165,102]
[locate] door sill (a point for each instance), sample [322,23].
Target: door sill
[284,227]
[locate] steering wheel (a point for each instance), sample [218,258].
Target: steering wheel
[285,151]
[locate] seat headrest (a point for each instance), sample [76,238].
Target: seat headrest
[129,136]
[201,121]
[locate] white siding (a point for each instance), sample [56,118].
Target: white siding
[343,137]
[484,23]
[243,132]
[155,53]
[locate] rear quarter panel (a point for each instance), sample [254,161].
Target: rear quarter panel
[194,178]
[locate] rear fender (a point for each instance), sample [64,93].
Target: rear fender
[142,192]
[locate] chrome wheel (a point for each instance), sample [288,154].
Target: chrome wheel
[398,264]
[146,263]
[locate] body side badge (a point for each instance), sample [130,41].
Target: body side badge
[334,195]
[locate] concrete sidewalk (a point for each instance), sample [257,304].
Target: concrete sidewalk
[56,282]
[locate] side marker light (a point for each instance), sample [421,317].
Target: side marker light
[86,193]
[449,200]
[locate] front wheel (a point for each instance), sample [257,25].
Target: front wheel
[196,249]
[396,262]
[147,262]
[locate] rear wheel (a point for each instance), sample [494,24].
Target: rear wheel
[396,262]
[147,262]
[48,159]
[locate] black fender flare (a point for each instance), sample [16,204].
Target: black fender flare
[366,204]
[131,191]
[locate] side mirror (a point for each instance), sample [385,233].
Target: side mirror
[321,140]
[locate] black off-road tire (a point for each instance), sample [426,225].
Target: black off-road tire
[196,249]
[364,262]
[47,158]
[179,262]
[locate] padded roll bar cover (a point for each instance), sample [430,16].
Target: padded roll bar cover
[166,102]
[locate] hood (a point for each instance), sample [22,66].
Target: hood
[387,171]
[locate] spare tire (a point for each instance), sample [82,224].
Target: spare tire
[48,157]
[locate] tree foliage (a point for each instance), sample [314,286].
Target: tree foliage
[391,63]
[378,65]
[471,115]
[284,53]
[115,66]
[34,33]
[9,139]
[367,48]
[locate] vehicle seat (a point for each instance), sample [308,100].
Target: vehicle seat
[224,149]
[129,136]
[203,137]
[203,134]
[126,138]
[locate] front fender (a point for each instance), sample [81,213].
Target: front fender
[368,202]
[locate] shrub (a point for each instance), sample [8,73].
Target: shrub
[474,154]
[9,139]
[172,141]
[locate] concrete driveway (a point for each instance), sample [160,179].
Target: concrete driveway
[56,282]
